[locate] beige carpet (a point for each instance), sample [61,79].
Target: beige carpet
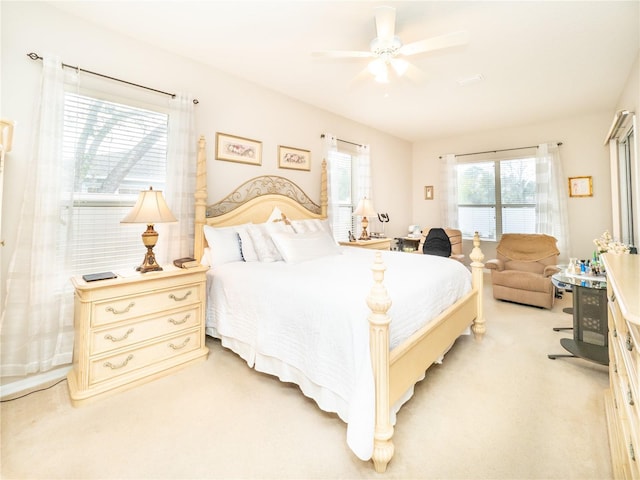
[498,409]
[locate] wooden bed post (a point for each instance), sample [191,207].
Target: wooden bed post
[324,199]
[477,272]
[200,200]
[379,302]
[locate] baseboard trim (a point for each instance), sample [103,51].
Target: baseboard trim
[33,382]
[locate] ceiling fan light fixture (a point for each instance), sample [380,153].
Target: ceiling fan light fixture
[399,65]
[382,77]
[377,67]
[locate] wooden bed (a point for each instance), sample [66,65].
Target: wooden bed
[395,371]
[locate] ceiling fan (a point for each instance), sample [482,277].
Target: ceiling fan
[387,50]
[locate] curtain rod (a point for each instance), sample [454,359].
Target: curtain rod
[496,151]
[345,141]
[35,56]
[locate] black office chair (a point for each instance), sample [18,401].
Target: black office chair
[437,243]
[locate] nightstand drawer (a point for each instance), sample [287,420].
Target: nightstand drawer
[131,333]
[134,359]
[125,308]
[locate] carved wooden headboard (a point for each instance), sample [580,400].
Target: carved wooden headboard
[253,201]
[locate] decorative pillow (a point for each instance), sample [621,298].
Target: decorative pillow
[300,247]
[276,215]
[262,242]
[304,226]
[311,225]
[224,244]
[247,249]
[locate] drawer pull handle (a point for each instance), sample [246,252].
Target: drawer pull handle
[120,312]
[123,364]
[179,322]
[613,297]
[114,339]
[632,453]
[178,347]
[629,342]
[630,396]
[179,299]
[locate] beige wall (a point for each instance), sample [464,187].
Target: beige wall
[227,104]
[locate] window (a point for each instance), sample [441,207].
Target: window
[625,181]
[342,175]
[496,197]
[118,151]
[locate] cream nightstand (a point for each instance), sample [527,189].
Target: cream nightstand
[135,329]
[374,244]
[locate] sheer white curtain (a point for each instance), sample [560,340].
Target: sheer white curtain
[551,197]
[329,146]
[363,173]
[36,329]
[449,195]
[176,240]
[362,180]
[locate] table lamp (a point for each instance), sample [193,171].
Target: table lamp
[365,209]
[150,208]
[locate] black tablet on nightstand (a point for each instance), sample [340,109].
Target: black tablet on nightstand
[92,277]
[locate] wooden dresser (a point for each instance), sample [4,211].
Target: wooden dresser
[135,329]
[622,399]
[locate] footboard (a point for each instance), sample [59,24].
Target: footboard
[396,371]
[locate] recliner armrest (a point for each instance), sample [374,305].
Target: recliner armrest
[495,264]
[550,270]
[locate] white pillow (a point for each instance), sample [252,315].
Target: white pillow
[224,244]
[206,257]
[300,247]
[262,242]
[276,214]
[304,226]
[246,245]
[311,225]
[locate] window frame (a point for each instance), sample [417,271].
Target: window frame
[353,202]
[498,204]
[92,200]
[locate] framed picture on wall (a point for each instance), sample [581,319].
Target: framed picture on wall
[294,158]
[238,149]
[580,187]
[428,192]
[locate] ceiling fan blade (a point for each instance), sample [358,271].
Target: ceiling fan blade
[342,54]
[435,43]
[385,23]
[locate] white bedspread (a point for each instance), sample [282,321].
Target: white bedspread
[307,323]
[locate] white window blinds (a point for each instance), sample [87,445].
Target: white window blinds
[117,150]
[496,197]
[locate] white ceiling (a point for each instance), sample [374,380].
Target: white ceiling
[540,60]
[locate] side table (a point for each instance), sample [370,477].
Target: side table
[590,331]
[374,244]
[130,330]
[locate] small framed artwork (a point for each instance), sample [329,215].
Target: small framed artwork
[428,192]
[294,158]
[238,149]
[580,187]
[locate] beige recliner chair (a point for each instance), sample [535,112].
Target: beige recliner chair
[522,272]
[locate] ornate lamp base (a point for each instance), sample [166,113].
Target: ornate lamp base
[149,238]
[149,264]
[364,235]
